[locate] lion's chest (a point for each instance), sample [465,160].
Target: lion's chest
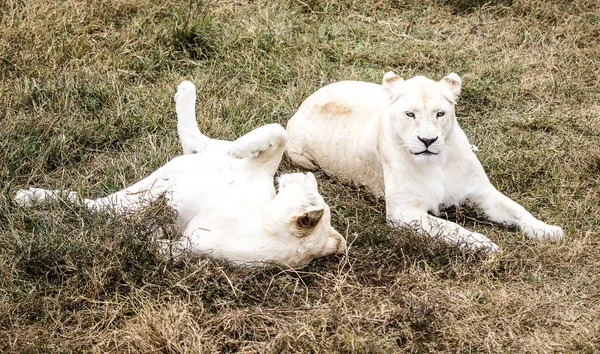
[429,194]
[426,189]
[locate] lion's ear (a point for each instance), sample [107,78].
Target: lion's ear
[390,80]
[453,83]
[307,221]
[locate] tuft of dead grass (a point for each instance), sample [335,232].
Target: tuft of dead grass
[86,104]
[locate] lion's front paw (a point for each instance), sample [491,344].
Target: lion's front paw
[544,232]
[241,149]
[167,250]
[478,241]
[163,248]
[260,140]
[27,197]
[186,93]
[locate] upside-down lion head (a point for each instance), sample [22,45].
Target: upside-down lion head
[308,220]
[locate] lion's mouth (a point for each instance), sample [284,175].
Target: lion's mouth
[425,152]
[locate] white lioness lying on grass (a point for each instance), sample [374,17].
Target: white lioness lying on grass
[401,140]
[225,199]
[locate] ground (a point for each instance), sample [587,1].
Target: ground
[86,103]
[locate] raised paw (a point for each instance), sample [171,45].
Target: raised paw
[258,141]
[186,93]
[244,148]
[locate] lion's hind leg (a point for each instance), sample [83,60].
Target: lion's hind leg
[192,140]
[296,149]
[301,159]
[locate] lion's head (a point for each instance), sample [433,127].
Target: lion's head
[307,221]
[421,112]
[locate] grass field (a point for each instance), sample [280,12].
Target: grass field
[86,104]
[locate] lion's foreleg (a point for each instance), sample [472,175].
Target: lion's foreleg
[440,229]
[264,146]
[127,199]
[501,209]
[30,196]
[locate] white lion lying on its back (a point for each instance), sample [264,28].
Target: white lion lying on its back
[401,140]
[226,202]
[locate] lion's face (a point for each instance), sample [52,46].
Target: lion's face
[421,112]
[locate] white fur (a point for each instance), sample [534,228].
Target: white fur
[226,202]
[375,135]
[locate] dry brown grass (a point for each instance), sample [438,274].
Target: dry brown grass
[86,104]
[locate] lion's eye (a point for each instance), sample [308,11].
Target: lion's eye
[410,114]
[440,114]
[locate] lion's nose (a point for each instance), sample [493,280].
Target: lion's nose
[427,141]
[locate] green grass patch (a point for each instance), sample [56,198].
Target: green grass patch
[86,103]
